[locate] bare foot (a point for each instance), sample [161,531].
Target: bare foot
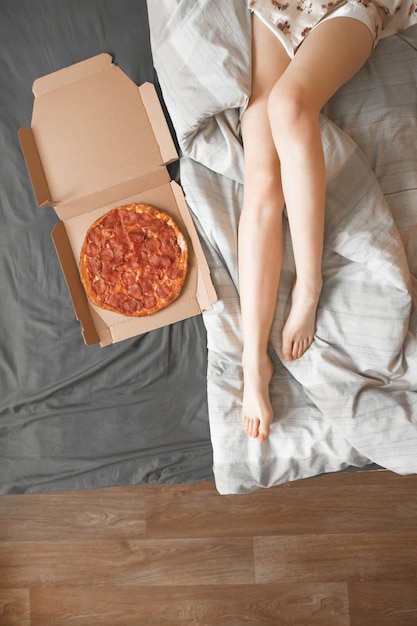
[256,409]
[298,331]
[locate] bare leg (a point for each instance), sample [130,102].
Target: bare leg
[260,234]
[328,58]
[286,101]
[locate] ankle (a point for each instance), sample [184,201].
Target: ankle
[256,361]
[310,288]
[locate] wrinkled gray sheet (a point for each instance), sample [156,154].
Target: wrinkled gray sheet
[72,416]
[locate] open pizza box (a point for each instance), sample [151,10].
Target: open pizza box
[98,141]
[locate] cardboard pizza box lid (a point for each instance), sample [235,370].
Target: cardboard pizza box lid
[97,141]
[92,129]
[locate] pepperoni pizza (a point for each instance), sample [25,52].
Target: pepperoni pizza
[134,260]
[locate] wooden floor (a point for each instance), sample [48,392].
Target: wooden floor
[338,550]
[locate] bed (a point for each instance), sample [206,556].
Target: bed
[165,406]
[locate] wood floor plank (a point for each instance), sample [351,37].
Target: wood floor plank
[335,550]
[86,514]
[181,512]
[14,607]
[234,605]
[136,562]
[383,603]
[332,558]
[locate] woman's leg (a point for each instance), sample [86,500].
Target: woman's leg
[260,232]
[328,58]
[286,100]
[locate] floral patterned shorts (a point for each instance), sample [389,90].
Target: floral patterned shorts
[292,20]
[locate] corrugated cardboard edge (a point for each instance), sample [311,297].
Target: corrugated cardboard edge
[74,284]
[34,167]
[206,293]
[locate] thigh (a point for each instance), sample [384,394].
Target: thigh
[269,59]
[269,62]
[331,54]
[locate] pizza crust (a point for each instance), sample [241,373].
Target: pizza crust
[134,260]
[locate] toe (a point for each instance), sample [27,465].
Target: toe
[298,350]
[287,352]
[263,434]
[304,346]
[254,428]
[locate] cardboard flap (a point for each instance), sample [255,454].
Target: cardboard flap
[34,167]
[159,124]
[71,74]
[205,294]
[75,287]
[113,196]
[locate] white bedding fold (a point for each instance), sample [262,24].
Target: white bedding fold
[351,399]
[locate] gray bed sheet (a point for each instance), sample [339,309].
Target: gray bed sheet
[73,416]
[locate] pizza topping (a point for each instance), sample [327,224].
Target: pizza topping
[134,260]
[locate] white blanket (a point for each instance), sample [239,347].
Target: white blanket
[351,400]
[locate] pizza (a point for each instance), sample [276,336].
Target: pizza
[134,260]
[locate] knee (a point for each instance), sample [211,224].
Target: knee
[262,193]
[263,189]
[289,109]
